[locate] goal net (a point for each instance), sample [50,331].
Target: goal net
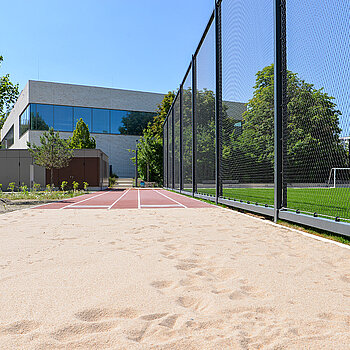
[339,177]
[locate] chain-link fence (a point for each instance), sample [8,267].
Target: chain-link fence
[261,119]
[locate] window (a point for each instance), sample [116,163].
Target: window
[43,117]
[63,118]
[116,120]
[24,122]
[100,120]
[8,140]
[85,114]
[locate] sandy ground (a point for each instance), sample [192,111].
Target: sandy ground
[168,279]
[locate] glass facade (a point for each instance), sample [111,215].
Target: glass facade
[24,122]
[82,113]
[65,118]
[8,140]
[100,121]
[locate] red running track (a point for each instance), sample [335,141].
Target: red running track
[127,199]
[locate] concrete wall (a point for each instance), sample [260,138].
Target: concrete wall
[13,118]
[92,96]
[115,146]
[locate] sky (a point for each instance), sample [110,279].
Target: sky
[134,44]
[147,45]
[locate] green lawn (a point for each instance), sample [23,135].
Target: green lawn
[325,201]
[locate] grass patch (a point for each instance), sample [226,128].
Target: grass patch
[330,202]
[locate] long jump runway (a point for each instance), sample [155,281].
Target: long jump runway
[127,199]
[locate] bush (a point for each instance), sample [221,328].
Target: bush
[64,185]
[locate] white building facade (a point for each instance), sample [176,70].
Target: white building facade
[113,117]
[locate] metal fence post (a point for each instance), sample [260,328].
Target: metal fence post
[136,167]
[167,153]
[284,102]
[194,95]
[181,156]
[278,141]
[218,104]
[173,147]
[165,156]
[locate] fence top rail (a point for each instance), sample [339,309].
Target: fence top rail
[210,21]
[172,105]
[206,30]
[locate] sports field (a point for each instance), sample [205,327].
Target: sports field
[324,201]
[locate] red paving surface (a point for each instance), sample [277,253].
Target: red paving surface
[127,199]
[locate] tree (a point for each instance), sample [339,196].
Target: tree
[155,127]
[150,146]
[53,153]
[8,96]
[150,157]
[81,137]
[312,135]
[135,122]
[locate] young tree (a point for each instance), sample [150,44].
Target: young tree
[8,96]
[81,137]
[53,153]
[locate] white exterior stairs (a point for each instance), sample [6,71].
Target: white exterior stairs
[123,182]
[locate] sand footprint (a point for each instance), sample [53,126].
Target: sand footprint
[186,301]
[185,266]
[169,321]
[95,315]
[74,330]
[161,284]
[152,317]
[19,327]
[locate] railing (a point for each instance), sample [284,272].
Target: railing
[261,119]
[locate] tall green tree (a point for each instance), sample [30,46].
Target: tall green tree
[155,127]
[313,144]
[81,137]
[53,153]
[150,145]
[8,96]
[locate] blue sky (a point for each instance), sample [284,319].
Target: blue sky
[135,44]
[147,45]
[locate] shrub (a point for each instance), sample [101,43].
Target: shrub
[85,184]
[23,188]
[112,181]
[11,186]
[75,185]
[36,187]
[64,185]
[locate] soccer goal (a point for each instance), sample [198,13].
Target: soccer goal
[339,177]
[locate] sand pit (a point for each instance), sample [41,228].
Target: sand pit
[202,278]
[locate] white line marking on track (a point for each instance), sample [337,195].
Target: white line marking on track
[84,200]
[159,205]
[138,199]
[90,206]
[184,206]
[118,199]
